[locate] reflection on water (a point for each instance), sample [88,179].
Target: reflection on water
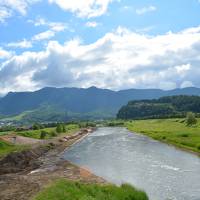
[120,156]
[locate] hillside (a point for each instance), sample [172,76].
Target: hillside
[171,106]
[48,104]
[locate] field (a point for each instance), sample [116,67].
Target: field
[36,133]
[7,147]
[64,189]
[172,131]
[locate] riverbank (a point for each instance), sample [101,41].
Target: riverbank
[171,131]
[24,174]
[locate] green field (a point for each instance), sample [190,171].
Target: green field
[172,131]
[63,189]
[6,148]
[71,128]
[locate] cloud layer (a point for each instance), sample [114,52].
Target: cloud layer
[121,59]
[86,8]
[8,7]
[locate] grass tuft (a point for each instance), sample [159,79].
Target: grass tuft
[67,190]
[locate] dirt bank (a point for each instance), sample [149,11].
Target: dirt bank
[24,174]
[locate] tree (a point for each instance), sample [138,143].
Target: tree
[36,126]
[190,119]
[64,128]
[43,134]
[59,128]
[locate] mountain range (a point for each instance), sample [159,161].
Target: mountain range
[77,103]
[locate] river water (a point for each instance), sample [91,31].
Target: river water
[120,156]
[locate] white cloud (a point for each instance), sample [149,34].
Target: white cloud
[4,14]
[121,59]
[44,35]
[22,44]
[54,26]
[8,7]
[144,10]
[92,24]
[5,54]
[86,8]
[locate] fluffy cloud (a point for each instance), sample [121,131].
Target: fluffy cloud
[8,7]
[92,24]
[53,29]
[22,44]
[121,59]
[144,10]
[86,8]
[5,54]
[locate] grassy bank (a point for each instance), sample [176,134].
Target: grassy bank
[50,132]
[64,189]
[172,131]
[6,148]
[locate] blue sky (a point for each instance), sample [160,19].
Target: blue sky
[116,44]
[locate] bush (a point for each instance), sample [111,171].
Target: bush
[53,134]
[190,119]
[43,134]
[184,135]
[198,146]
[59,128]
[37,126]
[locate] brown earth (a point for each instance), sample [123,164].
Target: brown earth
[23,175]
[20,140]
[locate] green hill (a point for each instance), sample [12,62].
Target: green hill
[55,104]
[172,106]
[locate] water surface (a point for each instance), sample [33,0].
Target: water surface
[121,156]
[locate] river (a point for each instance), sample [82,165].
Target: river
[120,156]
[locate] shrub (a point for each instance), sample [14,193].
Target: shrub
[59,128]
[43,134]
[53,134]
[190,119]
[198,146]
[184,135]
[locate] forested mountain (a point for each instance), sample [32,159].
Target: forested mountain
[171,106]
[73,103]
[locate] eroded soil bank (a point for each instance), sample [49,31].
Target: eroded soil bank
[24,174]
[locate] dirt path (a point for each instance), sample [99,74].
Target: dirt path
[20,140]
[26,183]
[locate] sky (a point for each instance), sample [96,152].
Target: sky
[114,44]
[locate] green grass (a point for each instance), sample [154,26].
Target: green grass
[172,131]
[71,128]
[6,148]
[66,190]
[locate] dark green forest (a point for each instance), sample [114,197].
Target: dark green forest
[164,107]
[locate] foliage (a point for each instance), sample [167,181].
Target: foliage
[64,189]
[43,134]
[50,132]
[37,126]
[7,128]
[172,131]
[60,128]
[190,119]
[165,107]
[87,124]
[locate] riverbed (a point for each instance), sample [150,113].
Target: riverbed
[121,156]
